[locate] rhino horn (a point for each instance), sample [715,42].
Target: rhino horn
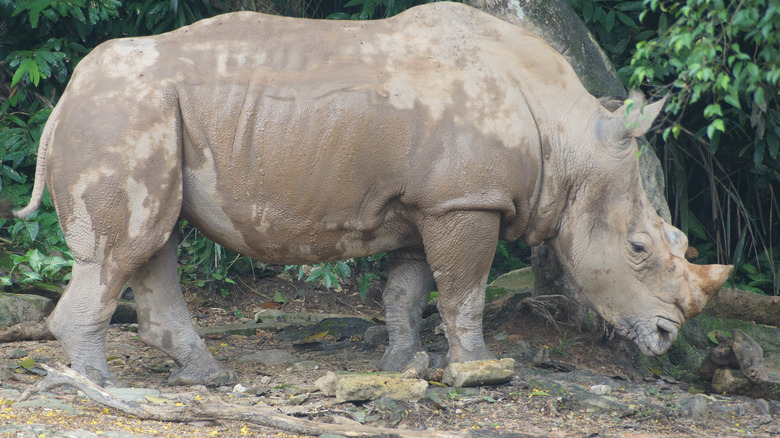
[706,281]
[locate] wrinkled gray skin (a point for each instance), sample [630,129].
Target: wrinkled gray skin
[428,135]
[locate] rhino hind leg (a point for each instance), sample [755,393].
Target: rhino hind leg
[459,247]
[409,283]
[164,321]
[80,320]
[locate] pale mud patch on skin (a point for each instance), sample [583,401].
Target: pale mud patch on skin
[160,136]
[201,198]
[80,226]
[431,79]
[132,54]
[142,207]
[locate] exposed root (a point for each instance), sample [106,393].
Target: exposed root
[555,309]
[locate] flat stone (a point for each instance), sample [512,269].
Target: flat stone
[133,394]
[696,407]
[605,403]
[479,372]
[306,365]
[9,394]
[519,281]
[269,358]
[16,308]
[246,329]
[376,335]
[371,386]
[600,389]
[46,403]
[15,353]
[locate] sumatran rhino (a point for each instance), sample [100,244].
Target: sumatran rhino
[429,135]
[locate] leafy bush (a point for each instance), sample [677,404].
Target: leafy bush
[717,61]
[42,41]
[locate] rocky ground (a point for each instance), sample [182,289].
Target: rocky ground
[590,386]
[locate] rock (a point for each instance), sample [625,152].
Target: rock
[696,407]
[600,389]
[125,313]
[15,353]
[517,282]
[417,368]
[239,389]
[479,372]
[730,381]
[269,358]
[298,399]
[376,335]
[133,394]
[521,350]
[605,403]
[16,309]
[339,328]
[46,403]
[371,386]
[306,365]
[750,357]
[9,394]
[24,430]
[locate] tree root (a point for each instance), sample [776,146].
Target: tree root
[215,409]
[736,365]
[551,308]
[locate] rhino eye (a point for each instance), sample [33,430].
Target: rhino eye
[638,247]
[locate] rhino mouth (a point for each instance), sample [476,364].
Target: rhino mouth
[654,336]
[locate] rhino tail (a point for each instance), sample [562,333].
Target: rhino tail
[40,181]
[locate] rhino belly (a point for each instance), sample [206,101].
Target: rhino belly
[276,232]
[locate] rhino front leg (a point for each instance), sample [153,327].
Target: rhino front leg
[409,283]
[165,323]
[459,247]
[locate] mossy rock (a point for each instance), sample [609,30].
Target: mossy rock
[693,343]
[519,281]
[16,308]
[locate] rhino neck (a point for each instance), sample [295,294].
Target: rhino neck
[556,181]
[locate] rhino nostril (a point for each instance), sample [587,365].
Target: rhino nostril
[667,333]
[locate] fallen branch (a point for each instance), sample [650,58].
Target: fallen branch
[213,409]
[26,331]
[745,306]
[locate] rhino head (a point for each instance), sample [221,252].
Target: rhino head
[621,257]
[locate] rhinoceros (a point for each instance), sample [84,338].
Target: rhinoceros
[429,135]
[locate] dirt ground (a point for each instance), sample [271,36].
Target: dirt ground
[537,402]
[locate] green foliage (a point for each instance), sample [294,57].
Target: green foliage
[614,23]
[374,9]
[564,344]
[42,42]
[508,257]
[717,63]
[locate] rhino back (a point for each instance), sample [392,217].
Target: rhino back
[306,140]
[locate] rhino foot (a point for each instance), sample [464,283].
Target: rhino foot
[482,353]
[103,378]
[397,359]
[214,375]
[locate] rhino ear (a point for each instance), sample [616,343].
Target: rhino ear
[638,117]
